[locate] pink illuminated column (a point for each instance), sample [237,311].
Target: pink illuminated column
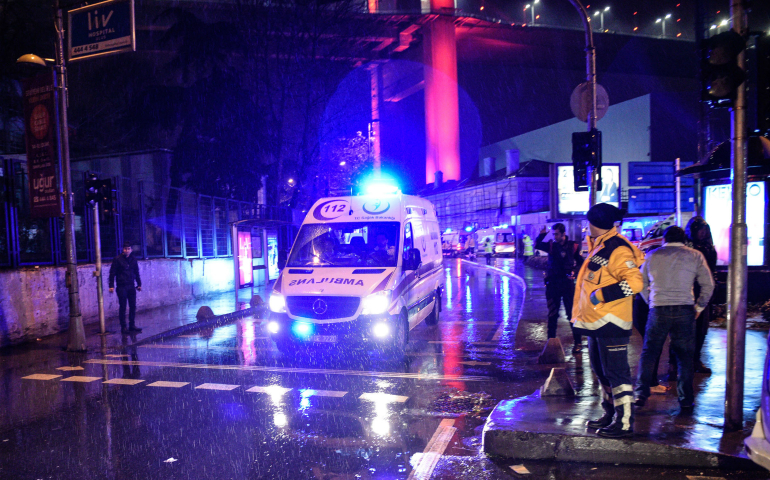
[442,116]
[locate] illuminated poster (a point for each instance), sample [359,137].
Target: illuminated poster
[245,269]
[719,204]
[572,202]
[272,256]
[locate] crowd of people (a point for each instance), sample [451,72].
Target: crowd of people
[616,288]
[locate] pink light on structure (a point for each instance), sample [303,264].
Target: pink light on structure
[442,116]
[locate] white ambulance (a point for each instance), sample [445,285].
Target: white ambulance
[363,270]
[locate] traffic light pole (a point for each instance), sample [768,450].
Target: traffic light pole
[738,270]
[591,79]
[77,335]
[98,269]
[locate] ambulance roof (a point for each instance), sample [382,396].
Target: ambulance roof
[368,208]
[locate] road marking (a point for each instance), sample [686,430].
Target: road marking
[81,379]
[477,364]
[498,332]
[168,384]
[380,397]
[199,347]
[308,392]
[117,356]
[123,381]
[70,369]
[216,386]
[272,390]
[40,376]
[433,451]
[450,324]
[316,371]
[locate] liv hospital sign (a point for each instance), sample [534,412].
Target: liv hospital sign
[101,29]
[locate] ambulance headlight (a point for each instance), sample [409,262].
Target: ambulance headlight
[277,303]
[376,303]
[381,330]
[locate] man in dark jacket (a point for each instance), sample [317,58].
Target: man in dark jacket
[564,261]
[125,270]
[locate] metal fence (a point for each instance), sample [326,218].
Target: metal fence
[160,221]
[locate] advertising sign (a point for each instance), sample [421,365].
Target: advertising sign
[101,29]
[245,268]
[42,146]
[719,214]
[272,256]
[572,202]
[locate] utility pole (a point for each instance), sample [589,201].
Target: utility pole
[738,270]
[591,79]
[77,336]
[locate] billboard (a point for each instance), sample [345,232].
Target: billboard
[718,201]
[575,203]
[245,268]
[42,136]
[100,29]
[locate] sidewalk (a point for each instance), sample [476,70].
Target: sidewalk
[153,322]
[553,428]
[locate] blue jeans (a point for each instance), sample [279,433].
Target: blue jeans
[679,322]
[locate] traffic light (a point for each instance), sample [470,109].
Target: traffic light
[586,153]
[720,74]
[107,197]
[93,185]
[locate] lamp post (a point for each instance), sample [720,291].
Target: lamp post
[531,7]
[600,13]
[662,21]
[77,337]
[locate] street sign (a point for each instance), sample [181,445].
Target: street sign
[101,29]
[580,101]
[42,137]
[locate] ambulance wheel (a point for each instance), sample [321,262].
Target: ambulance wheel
[432,318]
[401,338]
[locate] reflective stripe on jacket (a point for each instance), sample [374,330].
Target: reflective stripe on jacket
[611,269]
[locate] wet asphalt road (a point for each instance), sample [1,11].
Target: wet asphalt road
[224,403]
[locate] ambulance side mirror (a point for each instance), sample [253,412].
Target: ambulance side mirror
[412,259]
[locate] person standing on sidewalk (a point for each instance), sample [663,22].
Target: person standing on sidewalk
[564,261]
[125,272]
[606,284]
[699,238]
[670,272]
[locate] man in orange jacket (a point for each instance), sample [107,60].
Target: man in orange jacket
[602,312]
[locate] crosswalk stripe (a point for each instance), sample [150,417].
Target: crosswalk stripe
[123,381]
[272,390]
[168,384]
[69,369]
[81,379]
[216,386]
[308,392]
[40,376]
[383,397]
[433,451]
[316,371]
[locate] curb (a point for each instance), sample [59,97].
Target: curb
[518,279]
[215,321]
[507,436]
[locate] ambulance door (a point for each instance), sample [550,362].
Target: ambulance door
[410,277]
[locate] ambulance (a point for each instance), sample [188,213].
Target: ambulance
[363,270]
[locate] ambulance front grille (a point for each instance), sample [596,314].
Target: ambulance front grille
[312,306]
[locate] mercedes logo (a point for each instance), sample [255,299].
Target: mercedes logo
[319,307]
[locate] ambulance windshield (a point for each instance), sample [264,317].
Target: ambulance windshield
[354,244]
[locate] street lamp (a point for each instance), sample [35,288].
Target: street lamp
[600,13]
[531,7]
[77,336]
[662,21]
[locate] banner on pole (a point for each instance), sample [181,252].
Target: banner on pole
[40,124]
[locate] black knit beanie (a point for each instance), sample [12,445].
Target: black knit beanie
[604,215]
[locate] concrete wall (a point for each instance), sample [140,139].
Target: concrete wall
[34,301]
